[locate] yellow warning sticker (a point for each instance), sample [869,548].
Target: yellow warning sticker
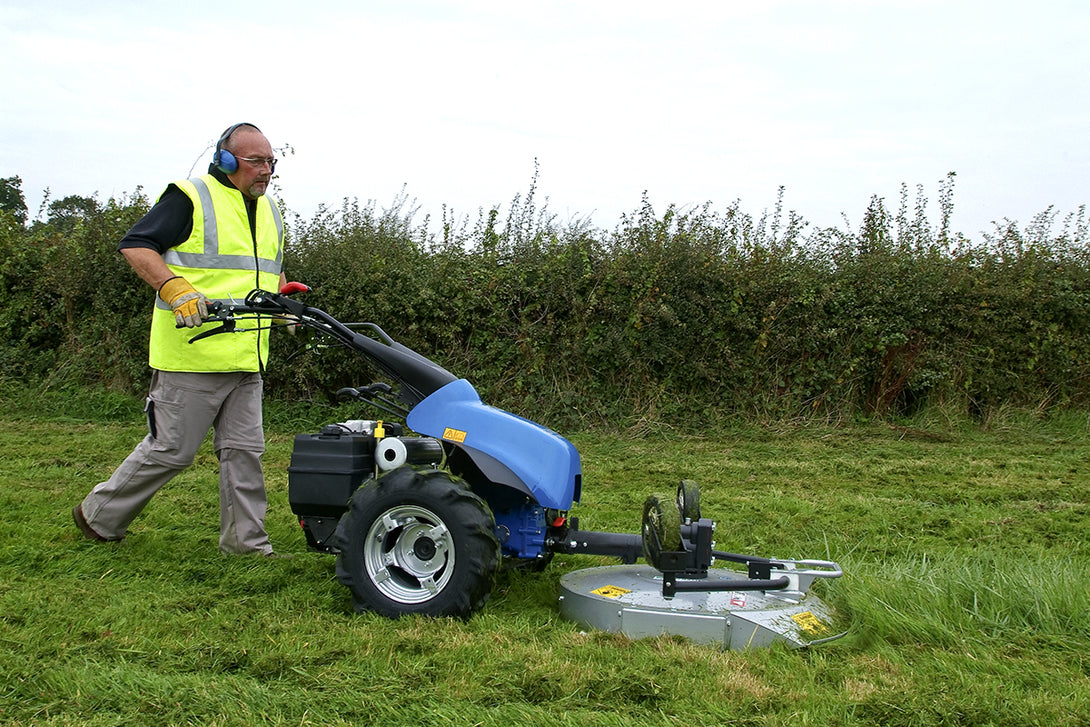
[610,591]
[454,435]
[808,622]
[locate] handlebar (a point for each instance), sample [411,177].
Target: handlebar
[257,302]
[417,375]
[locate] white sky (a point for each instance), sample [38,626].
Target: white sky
[691,102]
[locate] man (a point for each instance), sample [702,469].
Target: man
[216,237]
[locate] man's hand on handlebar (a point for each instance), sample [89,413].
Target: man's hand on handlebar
[190,306]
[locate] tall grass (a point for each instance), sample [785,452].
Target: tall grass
[964,593]
[963,599]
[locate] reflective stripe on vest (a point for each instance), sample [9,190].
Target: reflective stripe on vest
[210,257]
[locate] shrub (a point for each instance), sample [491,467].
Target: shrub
[678,318]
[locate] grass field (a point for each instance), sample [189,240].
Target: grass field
[965,596]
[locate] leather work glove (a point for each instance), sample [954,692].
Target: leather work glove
[190,306]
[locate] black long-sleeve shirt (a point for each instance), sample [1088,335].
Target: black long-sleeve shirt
[170,220]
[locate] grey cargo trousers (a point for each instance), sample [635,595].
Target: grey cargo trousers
[181,408]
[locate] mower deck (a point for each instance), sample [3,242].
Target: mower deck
[628,599]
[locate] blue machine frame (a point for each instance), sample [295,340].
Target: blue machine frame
[508,449]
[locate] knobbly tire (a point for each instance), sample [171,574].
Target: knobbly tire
[661,526]
[688,500]
[417,542]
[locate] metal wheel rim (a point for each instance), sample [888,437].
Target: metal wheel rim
[398,557]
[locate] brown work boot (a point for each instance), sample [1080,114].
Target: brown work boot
[87,530]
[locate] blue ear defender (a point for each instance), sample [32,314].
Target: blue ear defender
[224,160]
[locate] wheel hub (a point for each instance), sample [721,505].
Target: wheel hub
[409,554]
[424,548]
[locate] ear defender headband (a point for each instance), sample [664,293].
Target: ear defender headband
[224,160]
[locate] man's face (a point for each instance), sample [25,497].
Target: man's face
[252,177]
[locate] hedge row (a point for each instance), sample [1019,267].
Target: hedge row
[677,319]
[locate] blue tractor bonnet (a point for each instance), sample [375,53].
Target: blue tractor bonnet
[510,450]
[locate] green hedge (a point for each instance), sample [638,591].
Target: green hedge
[677,318]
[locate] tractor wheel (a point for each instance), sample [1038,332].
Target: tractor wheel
[688,500]
[661,517]
[417,543]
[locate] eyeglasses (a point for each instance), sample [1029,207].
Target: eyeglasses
[259,161]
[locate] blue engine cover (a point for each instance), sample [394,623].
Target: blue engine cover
[509,450]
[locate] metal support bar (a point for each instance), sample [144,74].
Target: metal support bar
[692,562]
[671,585]
[627,547]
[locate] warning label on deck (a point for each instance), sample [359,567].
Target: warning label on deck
[610,591]
[808,622]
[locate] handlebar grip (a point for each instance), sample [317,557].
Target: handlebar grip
[293,287]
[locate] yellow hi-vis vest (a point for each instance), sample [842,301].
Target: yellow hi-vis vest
[225,262]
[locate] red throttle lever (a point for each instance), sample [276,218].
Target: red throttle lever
[293,287]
